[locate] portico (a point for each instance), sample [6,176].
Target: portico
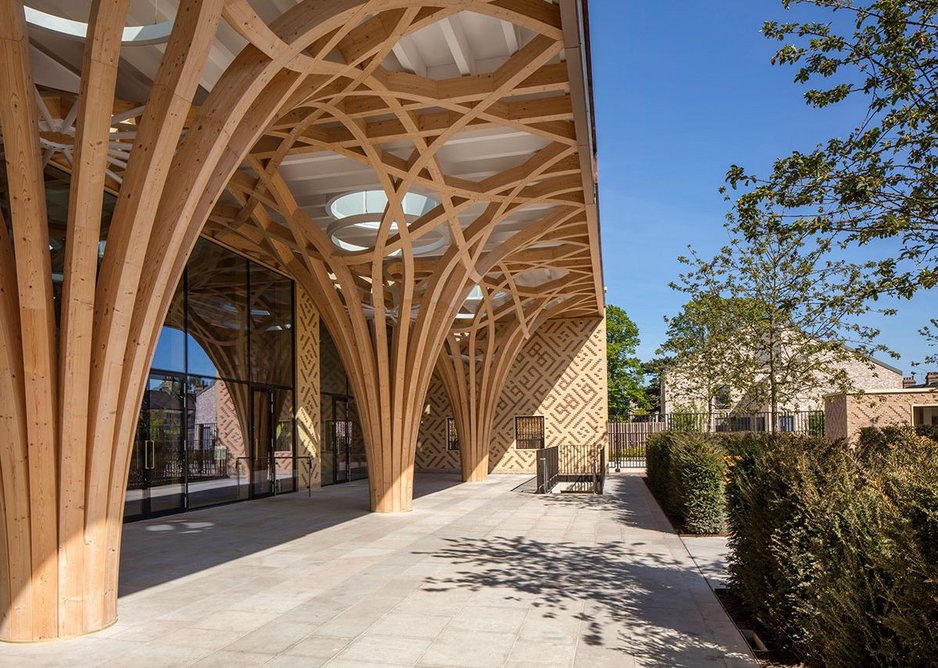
[200,196]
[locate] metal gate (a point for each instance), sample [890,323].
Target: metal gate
[628,441]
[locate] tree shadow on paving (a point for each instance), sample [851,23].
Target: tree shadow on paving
[628,598]
[627,499]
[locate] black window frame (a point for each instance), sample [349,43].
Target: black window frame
[452,435]
[526,437]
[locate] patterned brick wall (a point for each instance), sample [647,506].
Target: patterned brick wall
[882,409]
[561,374]
[432,454]
[308,418]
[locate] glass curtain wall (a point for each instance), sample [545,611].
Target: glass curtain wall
[216,421]
[343,457]
[228,344]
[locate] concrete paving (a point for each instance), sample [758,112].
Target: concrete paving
[711,554]
[476,575]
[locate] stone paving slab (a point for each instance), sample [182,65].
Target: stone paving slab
[476,575]
[710,553]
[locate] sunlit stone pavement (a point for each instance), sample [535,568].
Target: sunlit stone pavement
[476,575]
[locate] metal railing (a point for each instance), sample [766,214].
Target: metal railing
[628,439]
[577,468]
[792,422]
[583,467]
[548,461]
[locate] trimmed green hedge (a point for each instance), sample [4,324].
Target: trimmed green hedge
[686,473]
[836,549]
[833,548]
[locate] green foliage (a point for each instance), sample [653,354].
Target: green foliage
[699,347]
[626,379]
[930,332]
[686,473]
[658,466]
[816,423]
[879,179]
[685,420]
[837,549]
[778,319]
[653,369]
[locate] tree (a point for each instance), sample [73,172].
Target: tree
[701,345]
[930,332]
[772,317]
[624,370]
[879,181]
[653,370]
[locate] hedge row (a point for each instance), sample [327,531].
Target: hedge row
[836,548]
[833,548]
[686,473]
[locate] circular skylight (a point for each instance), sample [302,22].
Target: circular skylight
[358,220]
[375,202]
[155,33]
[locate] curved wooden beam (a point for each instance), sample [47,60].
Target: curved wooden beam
[71,398]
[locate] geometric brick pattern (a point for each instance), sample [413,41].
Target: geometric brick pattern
[847,414]
[308,416]
[560,373]
[432,454]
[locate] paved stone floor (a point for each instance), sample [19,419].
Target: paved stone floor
[710,553]
[476,575]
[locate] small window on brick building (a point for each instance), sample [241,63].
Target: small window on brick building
[452,436]
[925,416]
[722,399]
[529,432]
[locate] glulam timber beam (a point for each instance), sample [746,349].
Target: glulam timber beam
[318,78]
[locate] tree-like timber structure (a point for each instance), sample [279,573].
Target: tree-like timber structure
[521,245]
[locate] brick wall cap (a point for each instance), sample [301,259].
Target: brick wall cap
[895,390]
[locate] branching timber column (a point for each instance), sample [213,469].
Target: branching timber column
[390,305]
[311,80]
[70,399]
[477,358]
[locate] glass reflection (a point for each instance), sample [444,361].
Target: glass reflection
[271,317]
[217,315]
[217,415]
[170,352]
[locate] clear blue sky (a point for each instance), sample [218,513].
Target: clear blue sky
[684,89]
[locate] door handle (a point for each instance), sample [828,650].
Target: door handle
[149,455]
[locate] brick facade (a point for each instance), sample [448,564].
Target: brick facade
[846,414]
[560,374]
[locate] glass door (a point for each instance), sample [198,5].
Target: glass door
[284,459]
[335,459]
[157,481]
[357,461]
[274,468]
[262,412]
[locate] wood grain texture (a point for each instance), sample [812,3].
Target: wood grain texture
[313,80]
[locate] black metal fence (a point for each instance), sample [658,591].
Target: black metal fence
[548,469]
[627,440]
[576,468]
